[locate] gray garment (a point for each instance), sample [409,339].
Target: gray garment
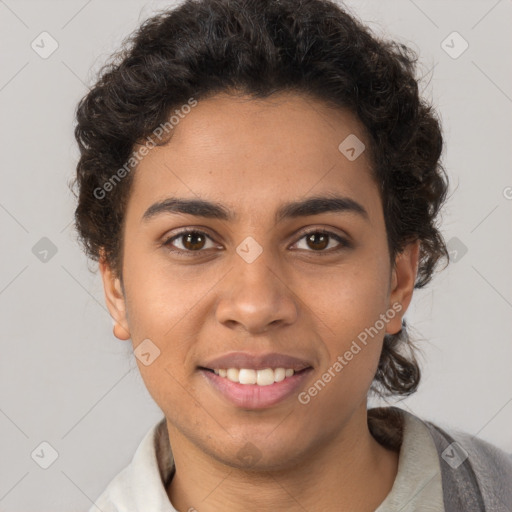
[482,481]
[476,476]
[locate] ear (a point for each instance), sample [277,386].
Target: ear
[402,283]
[114,299]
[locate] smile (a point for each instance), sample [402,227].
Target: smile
[255,389]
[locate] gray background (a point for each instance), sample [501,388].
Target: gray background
[65,379]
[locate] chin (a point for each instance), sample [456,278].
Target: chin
[258,454]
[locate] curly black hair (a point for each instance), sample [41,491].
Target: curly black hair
[258,48]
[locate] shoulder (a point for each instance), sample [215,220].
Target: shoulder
[116,495]
[140,483]
[476,474]
[488,453]
[465,457]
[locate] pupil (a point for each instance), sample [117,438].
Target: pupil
[188,240]
[322,236]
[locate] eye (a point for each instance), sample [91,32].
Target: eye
[190,241]
[318,240]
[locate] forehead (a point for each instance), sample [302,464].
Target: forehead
[238,150]
[297,126]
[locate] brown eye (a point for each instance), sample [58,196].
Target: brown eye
[188,241]
[319,240]
[193,241]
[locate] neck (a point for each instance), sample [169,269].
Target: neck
[336,475]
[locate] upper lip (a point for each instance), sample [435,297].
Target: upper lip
[256,361]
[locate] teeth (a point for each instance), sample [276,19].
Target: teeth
[264,377]
[232,374]
[246,376]
[280,374]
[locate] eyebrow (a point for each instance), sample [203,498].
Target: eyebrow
[213,210]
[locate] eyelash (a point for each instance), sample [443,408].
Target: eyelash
[344,244]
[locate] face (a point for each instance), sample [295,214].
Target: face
[257,275]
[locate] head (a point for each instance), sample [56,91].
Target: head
[293,146]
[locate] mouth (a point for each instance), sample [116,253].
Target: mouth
[248,388]
[255,382]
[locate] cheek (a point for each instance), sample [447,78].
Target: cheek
[351,308]
[162,308]
[161,296]
[350,298]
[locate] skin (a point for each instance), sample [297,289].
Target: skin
[252,156]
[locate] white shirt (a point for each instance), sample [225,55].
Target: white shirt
[417,485]
[141,486]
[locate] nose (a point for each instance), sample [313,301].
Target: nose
[255,297]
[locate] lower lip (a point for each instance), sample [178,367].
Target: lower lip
[252,396]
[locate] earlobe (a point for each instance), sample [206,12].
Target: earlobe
[114,299]
[402,285]
[120,332]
